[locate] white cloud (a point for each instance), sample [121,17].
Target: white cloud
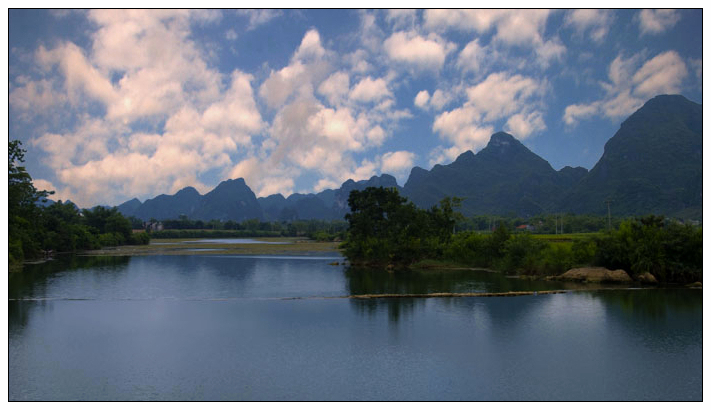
[307,68]
[523,125]
[231,35]
[369,90]
[422,98]
[34,97]
[697,66]
[376,136]
[281,84]
[310,47]
[466,20]
[397,162]
[595,22]
[263,177]
[259,17]
[80,77]
[471,57]
[463,128]
[657,21]
[401,18]
[660,75]
[631,85]
[575,112]
[335,87]
[515,98]
[524,28]
[501,95]
[141,66]
[440,99]
[422,53]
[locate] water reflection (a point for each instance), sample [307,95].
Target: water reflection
[198,327]
[652,303]
[32,281]
[373,281]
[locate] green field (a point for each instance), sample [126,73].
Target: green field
[567,237]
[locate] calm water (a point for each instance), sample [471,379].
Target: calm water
[206,327]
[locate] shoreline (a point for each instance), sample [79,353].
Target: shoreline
[191,246]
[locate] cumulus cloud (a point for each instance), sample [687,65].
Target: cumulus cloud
[397,162]
[414,50]
[141,67]
[660,75]
[463,128]
[523,28]
[401,18]
[471,57]
[437,101]
[369,90]
[259,17]
[80,77]
[319,137]
[657,21]
[523,125]
[34,97]
[308,67]
[422,98]
[467,20]
[630,85]
[335,87]
[500,96]
[576,112]
[595,22]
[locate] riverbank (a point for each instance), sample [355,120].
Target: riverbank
[208,246]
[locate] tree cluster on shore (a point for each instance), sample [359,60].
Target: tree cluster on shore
[386,229]
[35,230]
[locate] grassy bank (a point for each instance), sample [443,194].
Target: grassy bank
[266,246]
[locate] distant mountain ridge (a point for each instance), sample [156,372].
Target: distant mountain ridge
[653,164]
[505,177]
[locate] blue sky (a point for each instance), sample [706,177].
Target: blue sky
[113,105]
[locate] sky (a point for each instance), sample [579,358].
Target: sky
[116,104]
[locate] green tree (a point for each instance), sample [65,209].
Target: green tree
[385,228]
[24,234]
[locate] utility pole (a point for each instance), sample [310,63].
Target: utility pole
[609,223]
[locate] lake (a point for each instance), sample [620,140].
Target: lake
[250,327]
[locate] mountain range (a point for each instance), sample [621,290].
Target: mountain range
[653,164]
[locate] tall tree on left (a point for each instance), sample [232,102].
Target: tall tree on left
[24,234]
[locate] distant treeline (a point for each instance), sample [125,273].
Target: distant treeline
[187,228]
[548,223]
[384,228]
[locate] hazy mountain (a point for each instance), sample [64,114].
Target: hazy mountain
[183,202]
[130,207]
[230,200]
[653,164]
[328,204]
[340,204]
[570,176]
[503,178]
[272,206]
